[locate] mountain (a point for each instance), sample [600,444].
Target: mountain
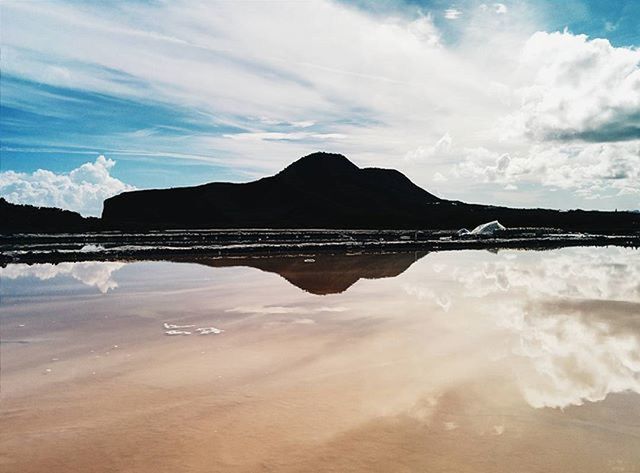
[27,218]
[319,190]
[324,190]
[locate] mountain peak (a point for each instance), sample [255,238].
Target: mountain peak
[320,163]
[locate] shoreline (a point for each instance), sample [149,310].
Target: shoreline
[110,246]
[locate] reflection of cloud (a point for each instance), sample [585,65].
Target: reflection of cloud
[568,311]
[572,360]
[95,274]
[571,273]
[423,292]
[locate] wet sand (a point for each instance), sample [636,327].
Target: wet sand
[464,362]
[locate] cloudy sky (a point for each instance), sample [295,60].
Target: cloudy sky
[520,103]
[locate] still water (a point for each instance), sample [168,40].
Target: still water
[465,361]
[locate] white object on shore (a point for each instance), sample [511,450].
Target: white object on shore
[177,332]
[91,248]
[488,228]
[309,260]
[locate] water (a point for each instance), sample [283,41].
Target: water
[465,361]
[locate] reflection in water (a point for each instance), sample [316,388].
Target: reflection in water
[404,362]
[576,273]
[94,273]
[576,349]
[325,273]
[573,358]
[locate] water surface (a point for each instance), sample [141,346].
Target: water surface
[465,361]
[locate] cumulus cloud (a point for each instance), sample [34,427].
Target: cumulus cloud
[593,170]
[500,8]
[439,177]
[440,147]
[452,13]
[581,88]
[424,29]
[83,189]
[487,166]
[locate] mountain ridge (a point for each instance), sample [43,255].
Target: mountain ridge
[320,190]
[327,190]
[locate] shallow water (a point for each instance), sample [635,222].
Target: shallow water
[465,361]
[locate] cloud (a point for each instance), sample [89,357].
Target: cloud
[82,190]
[438,177]
[609,26]
[424,29]
[440,147]
[452,14]
[593,170]
[581,89]
[380,88]
[500,8]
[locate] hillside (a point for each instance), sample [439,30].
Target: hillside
[325,190]
[27,218]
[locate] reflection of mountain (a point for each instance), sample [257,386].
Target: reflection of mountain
[328,273]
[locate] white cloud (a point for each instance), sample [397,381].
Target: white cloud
[452,14]
[439,148]
[373,88]
[580,88]
[424,29]
[438,177]
[594,170]
[83,189]
[610,26]
[500,8]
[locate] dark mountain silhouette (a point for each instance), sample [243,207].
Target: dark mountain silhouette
[319,190]
[324,190]
[27,218]
[325,273]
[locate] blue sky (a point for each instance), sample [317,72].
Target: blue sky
[516,103]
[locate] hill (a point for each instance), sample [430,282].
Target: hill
[27,218]
[319,190]
[324,190]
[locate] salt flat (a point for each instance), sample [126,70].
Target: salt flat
[459,361]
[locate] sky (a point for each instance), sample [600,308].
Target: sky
[519,103]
